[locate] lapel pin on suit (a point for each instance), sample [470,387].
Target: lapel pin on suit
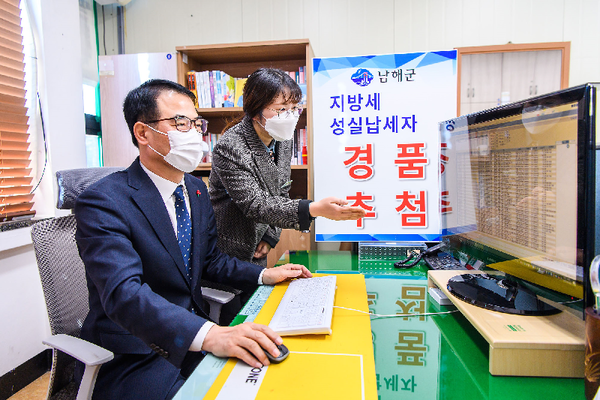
[198,193]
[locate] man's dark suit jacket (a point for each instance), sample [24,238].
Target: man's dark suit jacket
[142,306]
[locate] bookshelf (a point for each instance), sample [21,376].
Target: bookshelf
[240,60]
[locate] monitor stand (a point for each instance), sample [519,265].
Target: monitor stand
[498,294]
[523,345]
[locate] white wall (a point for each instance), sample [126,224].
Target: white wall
[359,27]
[59,77]
[22,307]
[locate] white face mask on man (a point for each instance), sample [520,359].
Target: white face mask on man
[281,129]
[187,149]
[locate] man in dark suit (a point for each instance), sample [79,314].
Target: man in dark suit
[147,235]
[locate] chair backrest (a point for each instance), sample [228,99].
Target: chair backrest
[62,273]
[72,182]
[65,290]
[61,270]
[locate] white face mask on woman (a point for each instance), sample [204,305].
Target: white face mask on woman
[187,149]
[281,128]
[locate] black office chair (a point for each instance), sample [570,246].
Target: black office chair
[63,281]
[64,284]
[65,289]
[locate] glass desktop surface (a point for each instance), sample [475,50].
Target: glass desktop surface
[323,260]
[426,358]
[441,357]
[456,361]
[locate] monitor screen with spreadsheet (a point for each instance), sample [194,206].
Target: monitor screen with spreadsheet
[518,189]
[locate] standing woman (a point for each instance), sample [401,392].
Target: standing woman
[250,176]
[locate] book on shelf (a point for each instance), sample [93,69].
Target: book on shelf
[228,82]
[191,77]
[295,148]
[239,91]
[304,155]
[300,78]
[300,148]
[216,89]
[211,88]
[219,100]
[201,89]
[303,88]
[211,140]
[303,147]
[206,99]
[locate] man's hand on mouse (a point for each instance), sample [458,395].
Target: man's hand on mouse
[245,341]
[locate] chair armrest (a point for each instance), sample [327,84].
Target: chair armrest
[219,286]
[86,352]
[216,295]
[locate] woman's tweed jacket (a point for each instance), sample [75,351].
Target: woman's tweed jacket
[249,192]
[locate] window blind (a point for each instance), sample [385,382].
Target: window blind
[16,198]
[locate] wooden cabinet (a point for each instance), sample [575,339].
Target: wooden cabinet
[493,75]
[240,60]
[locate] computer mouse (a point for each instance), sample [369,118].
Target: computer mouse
[283,353]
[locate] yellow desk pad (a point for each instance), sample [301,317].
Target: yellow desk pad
[340,365]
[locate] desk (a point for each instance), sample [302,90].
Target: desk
[429,358]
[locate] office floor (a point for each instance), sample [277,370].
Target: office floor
[36,390]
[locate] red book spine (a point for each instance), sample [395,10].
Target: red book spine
[304,155]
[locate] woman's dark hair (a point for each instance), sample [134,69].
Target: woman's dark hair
[262,87]
[140,103]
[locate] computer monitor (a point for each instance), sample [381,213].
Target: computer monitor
[518,196]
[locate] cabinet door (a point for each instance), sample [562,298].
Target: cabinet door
[547,71]
[491,79]
[485,80]
[530,73]
[465,85]
[518,75]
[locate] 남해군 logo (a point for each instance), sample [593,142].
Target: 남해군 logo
[362,77]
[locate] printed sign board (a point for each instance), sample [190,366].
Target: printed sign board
[376,142]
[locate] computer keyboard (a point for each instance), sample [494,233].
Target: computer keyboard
[443,261]
[306,307]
